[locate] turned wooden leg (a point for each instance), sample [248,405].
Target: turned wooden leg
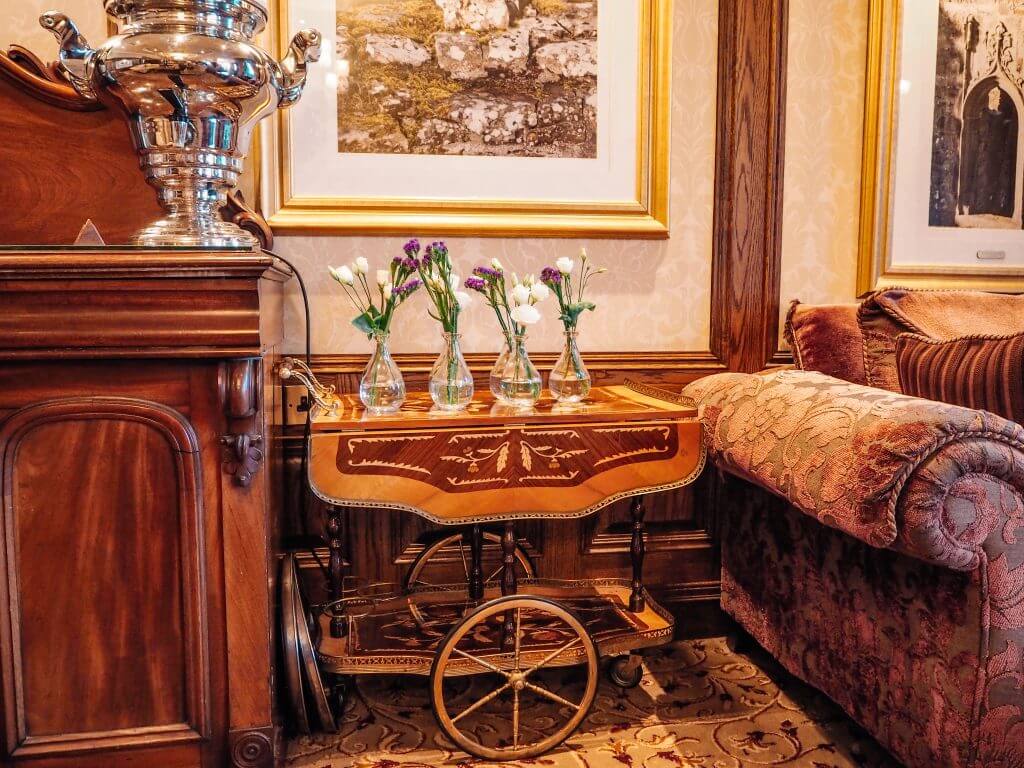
[509,585]
[476,568]
[636,555]
[335,546]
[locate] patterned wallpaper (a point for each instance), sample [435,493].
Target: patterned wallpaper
[19,23]
[824,134]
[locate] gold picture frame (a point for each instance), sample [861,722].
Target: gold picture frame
[875,269]
[645,217]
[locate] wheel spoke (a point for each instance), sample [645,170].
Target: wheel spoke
[515,662]
[515,718]
[462,554]
[489,697]
[553,696]
[496,572]
[551,657]
[481,662]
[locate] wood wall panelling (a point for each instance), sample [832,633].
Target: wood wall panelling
[748,183]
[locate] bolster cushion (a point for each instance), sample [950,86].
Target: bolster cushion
[981,372]
[844,453]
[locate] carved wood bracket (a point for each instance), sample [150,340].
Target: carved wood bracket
[243,453]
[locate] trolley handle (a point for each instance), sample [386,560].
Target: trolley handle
[323,396]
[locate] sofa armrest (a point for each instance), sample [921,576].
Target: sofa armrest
[883,467]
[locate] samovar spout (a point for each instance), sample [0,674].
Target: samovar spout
[75,53]
[304,49]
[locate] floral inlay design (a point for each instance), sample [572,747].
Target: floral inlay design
[523,456]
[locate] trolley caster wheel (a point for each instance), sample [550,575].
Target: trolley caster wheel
[523,713]
[625,671]
[428,569]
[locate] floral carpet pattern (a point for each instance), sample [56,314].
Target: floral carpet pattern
[700,705]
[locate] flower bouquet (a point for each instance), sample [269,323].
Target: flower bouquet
[381,389]
[569,381]
[514,379]
[451,383]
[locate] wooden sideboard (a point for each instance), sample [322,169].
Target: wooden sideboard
[137,412]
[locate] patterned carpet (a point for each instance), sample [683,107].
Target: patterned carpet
[699,706]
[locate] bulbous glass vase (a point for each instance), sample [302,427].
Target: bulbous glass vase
[451,383]
[382,389]
[494,381]
[520,383]
[569,380]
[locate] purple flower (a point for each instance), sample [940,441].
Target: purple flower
[412,248]
[411,264]
[476,284]
[398,261]
[550,275]
[409,287]
[488,273]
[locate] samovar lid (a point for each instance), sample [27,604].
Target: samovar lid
[252,11]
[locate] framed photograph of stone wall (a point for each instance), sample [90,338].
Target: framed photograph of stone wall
[476,117]
[943,184]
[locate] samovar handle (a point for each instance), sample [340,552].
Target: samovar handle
[304,49]
[75,52]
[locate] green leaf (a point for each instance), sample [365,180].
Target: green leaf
[573,311]
[367,322]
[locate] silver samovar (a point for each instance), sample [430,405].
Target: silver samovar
[193,85]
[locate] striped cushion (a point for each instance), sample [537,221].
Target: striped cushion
[981,372]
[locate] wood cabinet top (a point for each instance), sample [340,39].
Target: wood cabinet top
[106,302]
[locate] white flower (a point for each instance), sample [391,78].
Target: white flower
[521,294]
[342,275]
[583,254]
[361,266]
[383,276]
[388,290]
[463,298]
[454,281]
[565,265]
[515,279]
[525,314]
[539,292]
[496,264]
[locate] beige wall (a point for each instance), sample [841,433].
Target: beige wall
[19,23]
[824,116]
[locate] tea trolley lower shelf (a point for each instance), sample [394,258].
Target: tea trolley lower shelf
[513,660]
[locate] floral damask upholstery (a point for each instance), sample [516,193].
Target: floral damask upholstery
[888,567]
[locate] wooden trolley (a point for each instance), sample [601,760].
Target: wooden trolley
[500,626]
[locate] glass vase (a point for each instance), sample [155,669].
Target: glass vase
[520,383]
[498,371]
[382,389]
[451,383]
[569,381]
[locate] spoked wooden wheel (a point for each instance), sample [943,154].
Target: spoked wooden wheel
[508,701]
[448,560]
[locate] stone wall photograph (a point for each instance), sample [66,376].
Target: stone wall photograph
[468,77]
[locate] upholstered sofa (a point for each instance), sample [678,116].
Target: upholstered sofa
[874,542]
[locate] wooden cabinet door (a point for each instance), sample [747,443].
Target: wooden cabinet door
[102,587]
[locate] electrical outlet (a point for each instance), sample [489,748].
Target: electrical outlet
[991,255]
[296,405]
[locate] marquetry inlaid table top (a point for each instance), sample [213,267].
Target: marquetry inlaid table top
[492,462]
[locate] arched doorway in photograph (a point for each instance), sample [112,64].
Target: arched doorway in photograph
[991,157]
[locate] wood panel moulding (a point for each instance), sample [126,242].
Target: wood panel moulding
[63,624]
